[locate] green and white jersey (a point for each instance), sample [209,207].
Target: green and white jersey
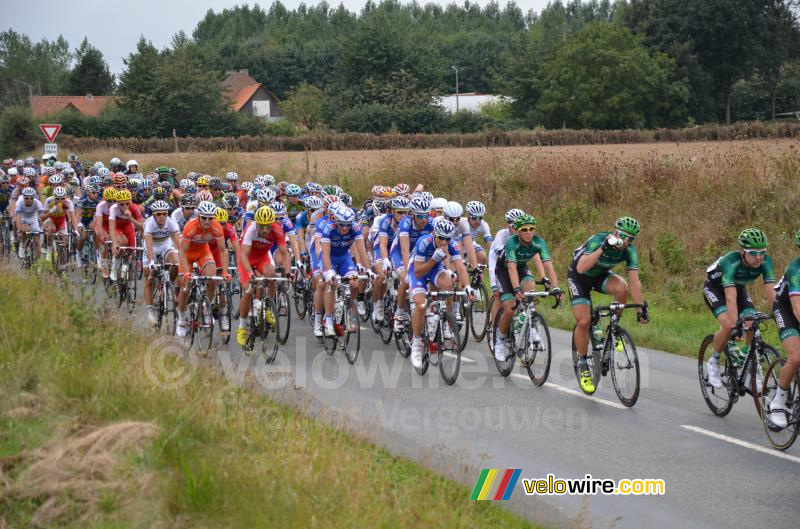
[610,258]
[789,285]
[730,270]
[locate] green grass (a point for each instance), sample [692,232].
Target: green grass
[221,457]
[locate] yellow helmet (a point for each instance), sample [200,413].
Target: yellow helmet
[202,181]
[265,215]
[123,195]
[109,194]
[222,215]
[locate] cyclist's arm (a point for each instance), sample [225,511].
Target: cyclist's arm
[769,293]
[244,259]
[383,244]
[551,273]
[184,249]
[176,239]
[326,256]
[466,245]
[223,253]
[148,247]
[638,296]
[405,245]
[301,240]
[513,274]
[537,263]
[112,228]
[461,271]
[587,261]
[295,246]
[361,253]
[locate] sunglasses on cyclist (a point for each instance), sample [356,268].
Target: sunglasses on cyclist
[525,229]
[625,237]
[188,208]
[476,218]
[453,219]
[160,214]
[756,253]
[421,215]
[347,225]
[401,212]
[206,218]
[440,238]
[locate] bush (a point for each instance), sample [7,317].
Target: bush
[672,253]
[375,118]
[465,121]
[420,119]
[281,127]
[17,131]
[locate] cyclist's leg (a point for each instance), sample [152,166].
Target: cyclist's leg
[789,332]
[480,253]
[580,295]
[714,297]
[506,297]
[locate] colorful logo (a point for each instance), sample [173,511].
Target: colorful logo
[495,484]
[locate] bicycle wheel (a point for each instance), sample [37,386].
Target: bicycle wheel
[205,322]
[625,368]
[158,303]
[330,341]
[193,315]
[300,302]
[122,289]
[761,360]
[351,326]
[449,349]
[226,335]
[479,314]
[781,438]
[170,312]
[269,331]
[592,357]
[719,400]
[403,339]
[130,296]
[461,316]
[387,324]
[426,359]
[283,311]
[504,367]
[537,354]
[368,312]
[490,324]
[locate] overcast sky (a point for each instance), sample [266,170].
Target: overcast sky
[114,26]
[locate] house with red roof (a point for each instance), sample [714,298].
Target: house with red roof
[248,96]
[88,104]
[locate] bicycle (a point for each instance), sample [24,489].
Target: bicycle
[477,309]
[261,321]
[438,349]
[615,350]
[28,248]
[234,287]
[5,236]
[721,400]
[301,291]
[781,438]
[89,258]
[223,291]
[402,338]
[126,277]
[59,252]
[280,301]
[530,342]
[200,312]
[346,322]
[164,296]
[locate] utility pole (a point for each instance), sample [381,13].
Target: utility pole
[456,69]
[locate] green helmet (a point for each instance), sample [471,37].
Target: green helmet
[525,220]
[163,170]
[628,225]
[329,190]
[752,239]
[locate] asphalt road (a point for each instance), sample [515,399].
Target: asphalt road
[719,472]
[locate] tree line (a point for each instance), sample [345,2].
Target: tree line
[577,64]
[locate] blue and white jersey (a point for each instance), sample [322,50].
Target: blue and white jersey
[288,227]
[301,221]
[385,229]
[425,247]
[463,228]
[407,228]
[340,242]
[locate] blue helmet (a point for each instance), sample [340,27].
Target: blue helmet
[443,228]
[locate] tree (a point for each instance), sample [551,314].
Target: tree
[304,106]
[90,74]
[605,78]
[31,69]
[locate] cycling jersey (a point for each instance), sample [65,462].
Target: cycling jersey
[340,242]
[789,284]
[518,252]
[162,237]
[608,260]
[198,238]
[463,228]
[5,197]
[407,229]
[230,235]
[58,212]
[88,208]
[730,270]
[422,252]
[260,247]
[28,212]
[288,227]
[179,217]
[495,250]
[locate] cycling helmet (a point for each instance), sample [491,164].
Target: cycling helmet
[202,180]
[115,162]
[48,171]
[344,215]
[346,199]
[159,205]
[123,195]
[173,171]
[379,207]
[183,184]
[377,191]
[29,159]
[130,163]
[222,215]
[401,204]
[427,196]
[293,190]
[55,180]
[631,226]
[168,186]
[420,205]
[247,186]
[231,177]
[513,214]
[214,182]
[401,189]
[29,172]
[28,192]
[119,179]
[22,180]
[188,200]
[525,220]
[206,208]
[453,210]
[275,189]
[330,190]
[92,188]
[13,171]
[60,192]
[134,183]
[313,187]
[103,172]
[269,180]
[265,195]
[230,200]
[264,215]
[443,228]
[330,199]
[278,207]
[475,208]
[438,203]
[4,179]
[160,193]
[75,181]
[109,194]
[312,202]
[20,163]
[161,169]
[71,158]
[205,196]
[751,239]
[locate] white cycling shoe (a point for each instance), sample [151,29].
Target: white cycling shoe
[712,366]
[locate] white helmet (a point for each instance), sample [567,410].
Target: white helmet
[438,203]
[206,209]
[344,215]
[453,210]
[420,205]
[475,208]
[443,228]
[159,205]
[60,192]
[231,176]
[513,214]
[269,179]
[265,195]
[114,161]
[29,192]
[131,162]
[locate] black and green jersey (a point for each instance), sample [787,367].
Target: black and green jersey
[789,285]
[518,252]
[730,270]
[610,257]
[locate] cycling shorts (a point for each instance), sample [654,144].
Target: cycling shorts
[784,317]
[129,232]
[504,280]
[343,265]
[714,296]
[198,253]
[581,286]
[418,285]
[259,264]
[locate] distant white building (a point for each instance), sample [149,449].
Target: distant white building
[469,101]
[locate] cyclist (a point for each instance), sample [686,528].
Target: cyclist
[589,270]
[84,211]
[6,190]
[194,249]
[185,213]
[255,259]
[232,243]
[725,293]
[161,240]
[101,227]
[58,211]
[235,213]
[124,220]
[26,218]
[433,255]
[513,276]
[469,229]
[289,230]
[496,249]
[165,175]
[387,225]
[786,309]
[293,205]
[409,230]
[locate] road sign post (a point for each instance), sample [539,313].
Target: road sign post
[51,148]
[50,131]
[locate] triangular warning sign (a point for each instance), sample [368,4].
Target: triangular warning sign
[50,130]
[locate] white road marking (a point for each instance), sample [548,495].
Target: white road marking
[739,442]
[576,393]
[463,358]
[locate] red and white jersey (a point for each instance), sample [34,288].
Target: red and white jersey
[261,245]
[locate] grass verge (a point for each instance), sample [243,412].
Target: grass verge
[87,440]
